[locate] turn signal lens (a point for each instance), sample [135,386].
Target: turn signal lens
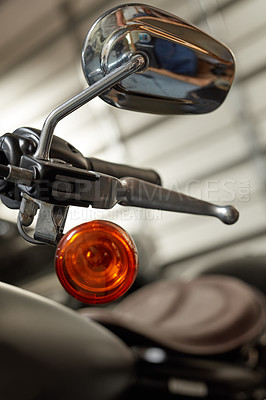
[96,262]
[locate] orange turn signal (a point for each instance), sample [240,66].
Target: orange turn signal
[96,262]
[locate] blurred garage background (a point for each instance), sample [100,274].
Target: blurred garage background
[219,157]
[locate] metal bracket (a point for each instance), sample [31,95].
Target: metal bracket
[50,221]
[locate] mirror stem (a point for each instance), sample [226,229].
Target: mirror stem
[134,64]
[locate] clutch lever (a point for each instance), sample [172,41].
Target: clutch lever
[138,193]
[73,186]
[147,195]
[105,191]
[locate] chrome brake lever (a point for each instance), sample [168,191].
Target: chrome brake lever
[147,195]
[109,191]
[105,193]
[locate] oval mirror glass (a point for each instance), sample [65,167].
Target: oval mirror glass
[186,72]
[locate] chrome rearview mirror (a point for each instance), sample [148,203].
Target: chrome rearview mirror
[140,58]
[186,71]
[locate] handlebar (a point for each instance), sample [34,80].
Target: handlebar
[121,171]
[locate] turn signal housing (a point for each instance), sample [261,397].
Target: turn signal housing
[96,262]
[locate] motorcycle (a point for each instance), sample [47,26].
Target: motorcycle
[201,338]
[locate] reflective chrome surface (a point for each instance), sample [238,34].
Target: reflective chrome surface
[187,70]
[43,150]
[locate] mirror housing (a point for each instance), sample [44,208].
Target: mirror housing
[186,71]
[140,58]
